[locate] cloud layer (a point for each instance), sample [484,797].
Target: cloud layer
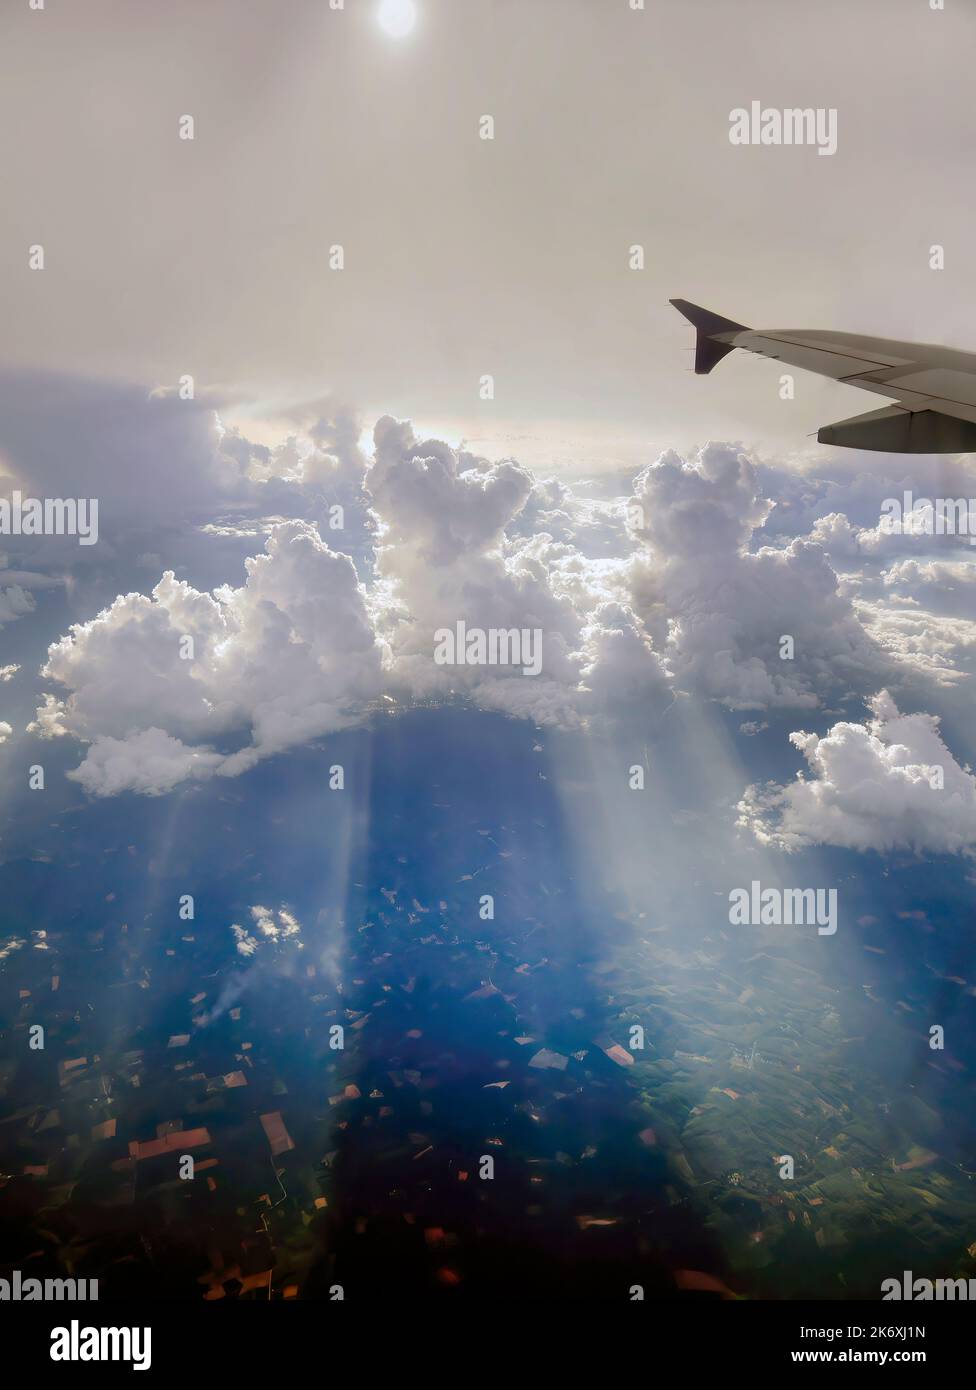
[678,588]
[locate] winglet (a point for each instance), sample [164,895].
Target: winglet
[711,345]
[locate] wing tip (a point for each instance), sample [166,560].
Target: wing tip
[709,349]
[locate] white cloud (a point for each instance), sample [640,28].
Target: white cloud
[871,786]
[445,553]
[918,529]
[914,574]
[269,925]
[275,925]
[302,648]
[944,586]
[148,761]
[923,643]
[632,606]
[925,573]
[287,657]
[719,610]
[247,944]
[836,535]
[15,602]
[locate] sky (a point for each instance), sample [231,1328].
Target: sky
[463,257]
[342,376]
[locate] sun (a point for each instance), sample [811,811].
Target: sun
[397,17]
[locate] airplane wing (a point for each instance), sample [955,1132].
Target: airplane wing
[934,387]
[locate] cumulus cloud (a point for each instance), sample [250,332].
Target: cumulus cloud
[449,547]
[303,648]
[17,596]
[164,468]
[918,533]
[924,644]
[890,783]
[719,609]
[595,526]
[15,602]
[942,586]
[287,657]
[150,760]
[922,526]
[817,484]
[634,600]
[924,574]
[315,474]
[268,925]
[835,534]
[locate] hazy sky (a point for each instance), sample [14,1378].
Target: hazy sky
[464,256]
